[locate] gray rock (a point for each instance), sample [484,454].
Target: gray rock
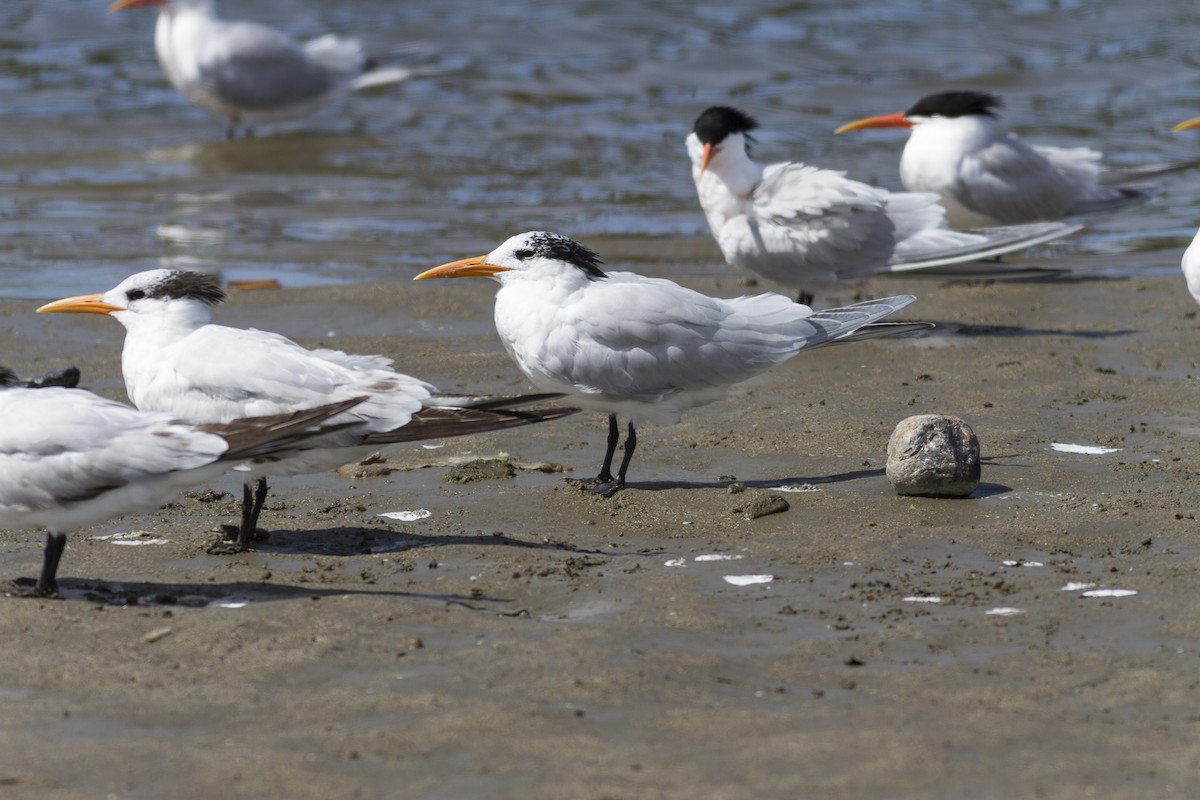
[933,455]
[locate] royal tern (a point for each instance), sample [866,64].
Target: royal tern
[1191,267]
[646,348]
[175,360]
[69,459]
[986,176]
[799,225]
[249,73]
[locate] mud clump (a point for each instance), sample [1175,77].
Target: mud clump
[761,504]
[482,469]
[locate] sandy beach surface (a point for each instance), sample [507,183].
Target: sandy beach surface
[526,639]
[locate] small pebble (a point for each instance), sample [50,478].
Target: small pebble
[933,455]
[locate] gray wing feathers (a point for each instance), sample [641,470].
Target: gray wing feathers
[694,342]
[489,401]
[258,68]
[945,246]
[835,325]
[253,437]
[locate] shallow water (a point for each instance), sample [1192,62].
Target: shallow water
[539,116]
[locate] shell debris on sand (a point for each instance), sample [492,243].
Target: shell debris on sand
[933,455]
[407,516]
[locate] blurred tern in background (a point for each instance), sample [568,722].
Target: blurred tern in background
[69,459]
[249,73]
[987,176]
[621,343]
[1191,267]
[174,360]
[799,225]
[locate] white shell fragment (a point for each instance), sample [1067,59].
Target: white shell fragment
[1022,563]
[1075,586]
[1002,611]
[717,557]
[131,538]
[1083,449]
[748,580]
[923,599]
[1110,593]
[676,562]
[933,455]
[407,516]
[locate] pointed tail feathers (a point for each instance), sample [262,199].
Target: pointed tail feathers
[380,76]
[941,247]
[878,330]
[835,324]
[254,437]
[1119,198]
[986,270]
[438,422]
[489,402]
[1126,175]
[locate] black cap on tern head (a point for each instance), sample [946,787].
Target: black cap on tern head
[557,246]
[179,284]
[717,122]
[956,104]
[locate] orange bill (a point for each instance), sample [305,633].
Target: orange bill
[464,268]
[84,304]
[885,121]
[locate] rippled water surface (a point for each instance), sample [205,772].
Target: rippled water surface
[568,117]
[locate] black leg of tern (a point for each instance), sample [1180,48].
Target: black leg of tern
[610,487]
[630,446]
[47,584]
[614,436]
[251,508]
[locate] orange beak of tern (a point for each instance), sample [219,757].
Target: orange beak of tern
[885,121]
[84,304]
[1187,125]
[476,267]
[709,152]
[121,5]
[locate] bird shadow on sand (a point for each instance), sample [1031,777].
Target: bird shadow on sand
[951,328]
[773,483]
[225,595]
[353,541]
[801,485]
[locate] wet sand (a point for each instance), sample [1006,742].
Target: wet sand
[529,640]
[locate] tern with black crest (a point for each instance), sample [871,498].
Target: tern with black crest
[249,73]
[800,225]
[988,176]
[644,348]
[175,360]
